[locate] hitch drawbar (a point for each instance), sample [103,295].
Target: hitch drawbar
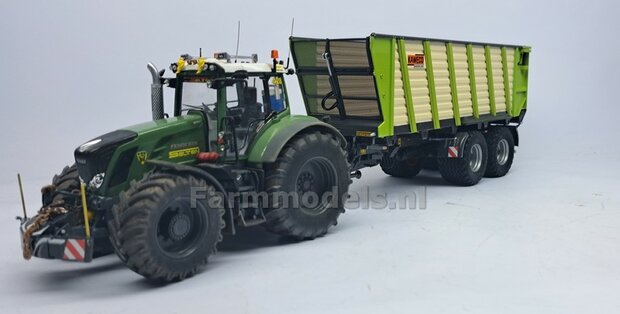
[69,248]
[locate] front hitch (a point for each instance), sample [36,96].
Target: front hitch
[54,234]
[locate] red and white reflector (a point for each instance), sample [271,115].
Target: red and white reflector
[75,250]
[453,151]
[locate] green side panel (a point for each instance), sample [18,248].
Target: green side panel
[519,82]
[382,51]
[404,69]
[157,139]
[270,140]
[506,81]
[489,63]
[472,81]
[431,83]
[453,89]
[305,55]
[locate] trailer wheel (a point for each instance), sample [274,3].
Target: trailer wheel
[401,168]
[501,152]
[307,186]
[468,170]
[161,236]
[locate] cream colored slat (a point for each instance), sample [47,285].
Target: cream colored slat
[419,85]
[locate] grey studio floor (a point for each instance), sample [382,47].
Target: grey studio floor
[537,240]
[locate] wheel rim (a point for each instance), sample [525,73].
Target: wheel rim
[181,228]
[503,151]
[475,157]
[316,177]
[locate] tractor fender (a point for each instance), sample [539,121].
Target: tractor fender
[269,142]
[198,172]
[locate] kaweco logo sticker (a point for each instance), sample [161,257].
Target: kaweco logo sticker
[141,156]
[416,60]
[191,151]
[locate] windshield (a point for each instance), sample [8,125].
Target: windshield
[248,103]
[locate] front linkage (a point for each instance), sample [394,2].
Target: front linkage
[61,229]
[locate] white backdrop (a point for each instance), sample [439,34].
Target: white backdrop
[73,70]
[540,239]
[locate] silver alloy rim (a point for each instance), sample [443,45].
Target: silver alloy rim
[475,160]
[502,152]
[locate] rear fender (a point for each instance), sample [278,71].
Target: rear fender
[269,142]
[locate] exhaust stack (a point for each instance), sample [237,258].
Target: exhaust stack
[157,93]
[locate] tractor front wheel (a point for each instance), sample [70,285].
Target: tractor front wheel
[164,234]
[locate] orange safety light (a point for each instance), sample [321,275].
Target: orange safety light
[274,54]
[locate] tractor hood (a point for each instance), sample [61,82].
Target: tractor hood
[115,158]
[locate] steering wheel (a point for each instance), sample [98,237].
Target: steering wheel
[324,100]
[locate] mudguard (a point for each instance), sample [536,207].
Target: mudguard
[269,142]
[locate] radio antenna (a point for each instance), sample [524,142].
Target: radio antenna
[238,36]
[288,56]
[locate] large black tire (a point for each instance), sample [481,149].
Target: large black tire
[159,235]
[468,170]
[501,146]
[66,181]
[401,168]
[307,167]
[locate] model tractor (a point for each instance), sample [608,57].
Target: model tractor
[162,194]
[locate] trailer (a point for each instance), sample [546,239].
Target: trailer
[408,94]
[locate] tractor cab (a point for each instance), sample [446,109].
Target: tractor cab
[236,94]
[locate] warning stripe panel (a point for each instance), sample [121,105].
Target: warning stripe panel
[75,249]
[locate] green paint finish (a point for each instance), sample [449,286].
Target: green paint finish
[431,83]
[383,57]
[453,89]
[157,139]
[472,81]
[404,68]
[489,63]
[519,81]
[271,138]
[506,80]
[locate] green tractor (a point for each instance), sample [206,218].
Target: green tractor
[161,193]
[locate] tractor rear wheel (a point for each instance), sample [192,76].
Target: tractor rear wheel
[307,186]
[164,234]
[468,169]
[401,168]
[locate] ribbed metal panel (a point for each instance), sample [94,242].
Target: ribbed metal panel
[400,103]
[419,85]
[482,86]
[510,56]
[442,80]
[461,72]
[498,79]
